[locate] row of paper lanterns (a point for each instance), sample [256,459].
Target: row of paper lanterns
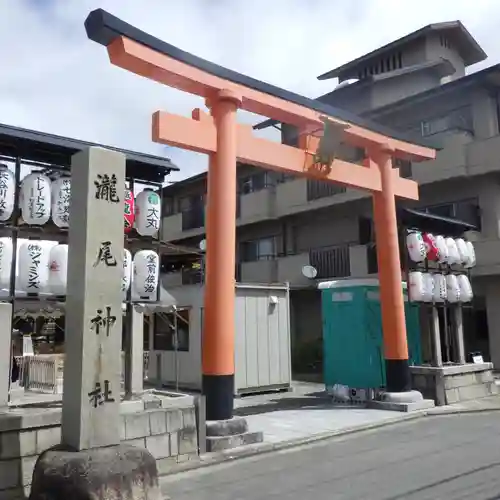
[439,249]
[428,287]
[40,198]
[42,266]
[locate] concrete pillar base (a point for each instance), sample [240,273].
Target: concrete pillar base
[121,471]
[401,401]
[227,434]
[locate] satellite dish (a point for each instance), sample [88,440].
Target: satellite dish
[309,272]
[202,245]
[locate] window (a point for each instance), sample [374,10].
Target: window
[458,119]
[365,230]
[168,207]
[187,203]
[254,182]
[166,333]
[262,249]
[282,178]
[405,168]
[463,210]
[289,135]
[444,42]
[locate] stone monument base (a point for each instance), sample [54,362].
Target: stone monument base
[227,434]
[454,383]
[121,471]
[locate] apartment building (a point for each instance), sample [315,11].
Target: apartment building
[417,84]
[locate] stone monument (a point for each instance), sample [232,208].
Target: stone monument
[91,463]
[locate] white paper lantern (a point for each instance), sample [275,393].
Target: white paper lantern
[7,192]
[147,213]
[127,272]
[465,288]
[416,282]
[61,197]
[428,290]
[462,250]
[416,246]
[453,255]
[35,199]
[33,266]
[6,254]
[442,256]
[440,290]
[58,269]
[471,255]
[146,264]
[452,288]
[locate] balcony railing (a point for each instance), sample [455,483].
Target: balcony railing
[321,189]
[193,219]
[332,262]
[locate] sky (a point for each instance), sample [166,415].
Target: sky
[55,80]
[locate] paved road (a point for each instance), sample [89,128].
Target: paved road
[435,458]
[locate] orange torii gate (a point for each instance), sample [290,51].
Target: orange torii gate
[321,128]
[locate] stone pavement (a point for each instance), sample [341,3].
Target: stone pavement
[306,413]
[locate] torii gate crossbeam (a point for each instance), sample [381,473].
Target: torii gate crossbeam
[225,141]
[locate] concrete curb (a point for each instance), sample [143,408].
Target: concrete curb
[458,411]
[261,448]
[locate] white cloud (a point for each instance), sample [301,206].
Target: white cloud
[55,80]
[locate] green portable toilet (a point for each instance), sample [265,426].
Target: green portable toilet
[352,333]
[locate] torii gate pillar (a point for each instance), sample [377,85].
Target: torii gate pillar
[389,264]
[218,331]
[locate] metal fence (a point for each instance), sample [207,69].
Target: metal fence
[40,373]
[44,373]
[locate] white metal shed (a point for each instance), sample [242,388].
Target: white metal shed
[262,344]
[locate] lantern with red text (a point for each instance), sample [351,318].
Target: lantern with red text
[58,269]
[430,246]
[416,246]
[129,210]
